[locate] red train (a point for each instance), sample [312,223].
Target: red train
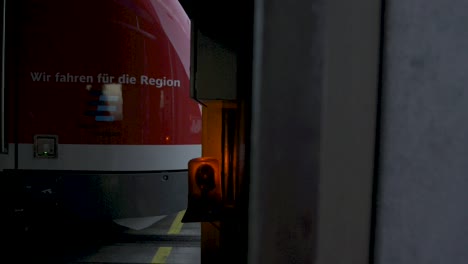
[96,104]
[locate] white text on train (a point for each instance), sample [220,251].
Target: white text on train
[159,82]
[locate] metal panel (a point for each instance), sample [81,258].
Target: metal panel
[111,157]
[58,196]
[286,118]
[214,69]
[314,116]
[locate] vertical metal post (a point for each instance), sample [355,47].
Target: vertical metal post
[3,143]
[313,130]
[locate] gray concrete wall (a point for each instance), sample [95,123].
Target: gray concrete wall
[423,190]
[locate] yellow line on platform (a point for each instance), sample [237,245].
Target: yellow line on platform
[176,224]
[161,255]
[163,252]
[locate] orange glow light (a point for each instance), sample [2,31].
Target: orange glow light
[194,188]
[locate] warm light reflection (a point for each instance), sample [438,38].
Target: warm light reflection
[204,172]
[213,177]
[220,141]
[205,197]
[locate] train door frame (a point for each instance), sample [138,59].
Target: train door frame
[315,98]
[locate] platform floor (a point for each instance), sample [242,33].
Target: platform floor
[166,241]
